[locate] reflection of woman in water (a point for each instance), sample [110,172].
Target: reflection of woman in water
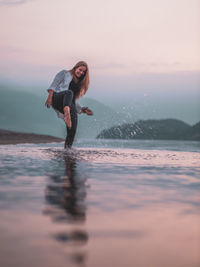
[66,88]
[66,194]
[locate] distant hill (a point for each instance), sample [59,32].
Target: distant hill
[166,129]
[25,112]
[193,133]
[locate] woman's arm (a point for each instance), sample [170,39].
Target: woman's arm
[49,99]
[80,109]
[56,81]
[53,87]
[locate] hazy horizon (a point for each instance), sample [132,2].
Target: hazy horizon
[145,96]
[140,107]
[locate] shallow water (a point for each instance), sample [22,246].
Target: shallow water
[100,206]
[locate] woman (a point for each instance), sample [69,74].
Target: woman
[66,88]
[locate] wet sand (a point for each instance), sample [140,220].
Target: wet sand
[10,137]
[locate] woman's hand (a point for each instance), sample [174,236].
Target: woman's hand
[87,111]
[48,102]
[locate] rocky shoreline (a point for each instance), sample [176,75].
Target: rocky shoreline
[11,137]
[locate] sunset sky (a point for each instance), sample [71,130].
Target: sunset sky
[127,43]
[123,36]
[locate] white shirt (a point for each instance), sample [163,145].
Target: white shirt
[61,83]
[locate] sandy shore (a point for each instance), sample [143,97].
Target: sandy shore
[10,137]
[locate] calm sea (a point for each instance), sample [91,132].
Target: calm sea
[100,204]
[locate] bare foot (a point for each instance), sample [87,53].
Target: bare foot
[67,117]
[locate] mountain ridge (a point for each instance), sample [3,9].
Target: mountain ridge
[163,129]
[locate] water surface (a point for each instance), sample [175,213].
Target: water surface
[100,206]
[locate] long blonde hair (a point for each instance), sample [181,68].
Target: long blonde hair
[84,83]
